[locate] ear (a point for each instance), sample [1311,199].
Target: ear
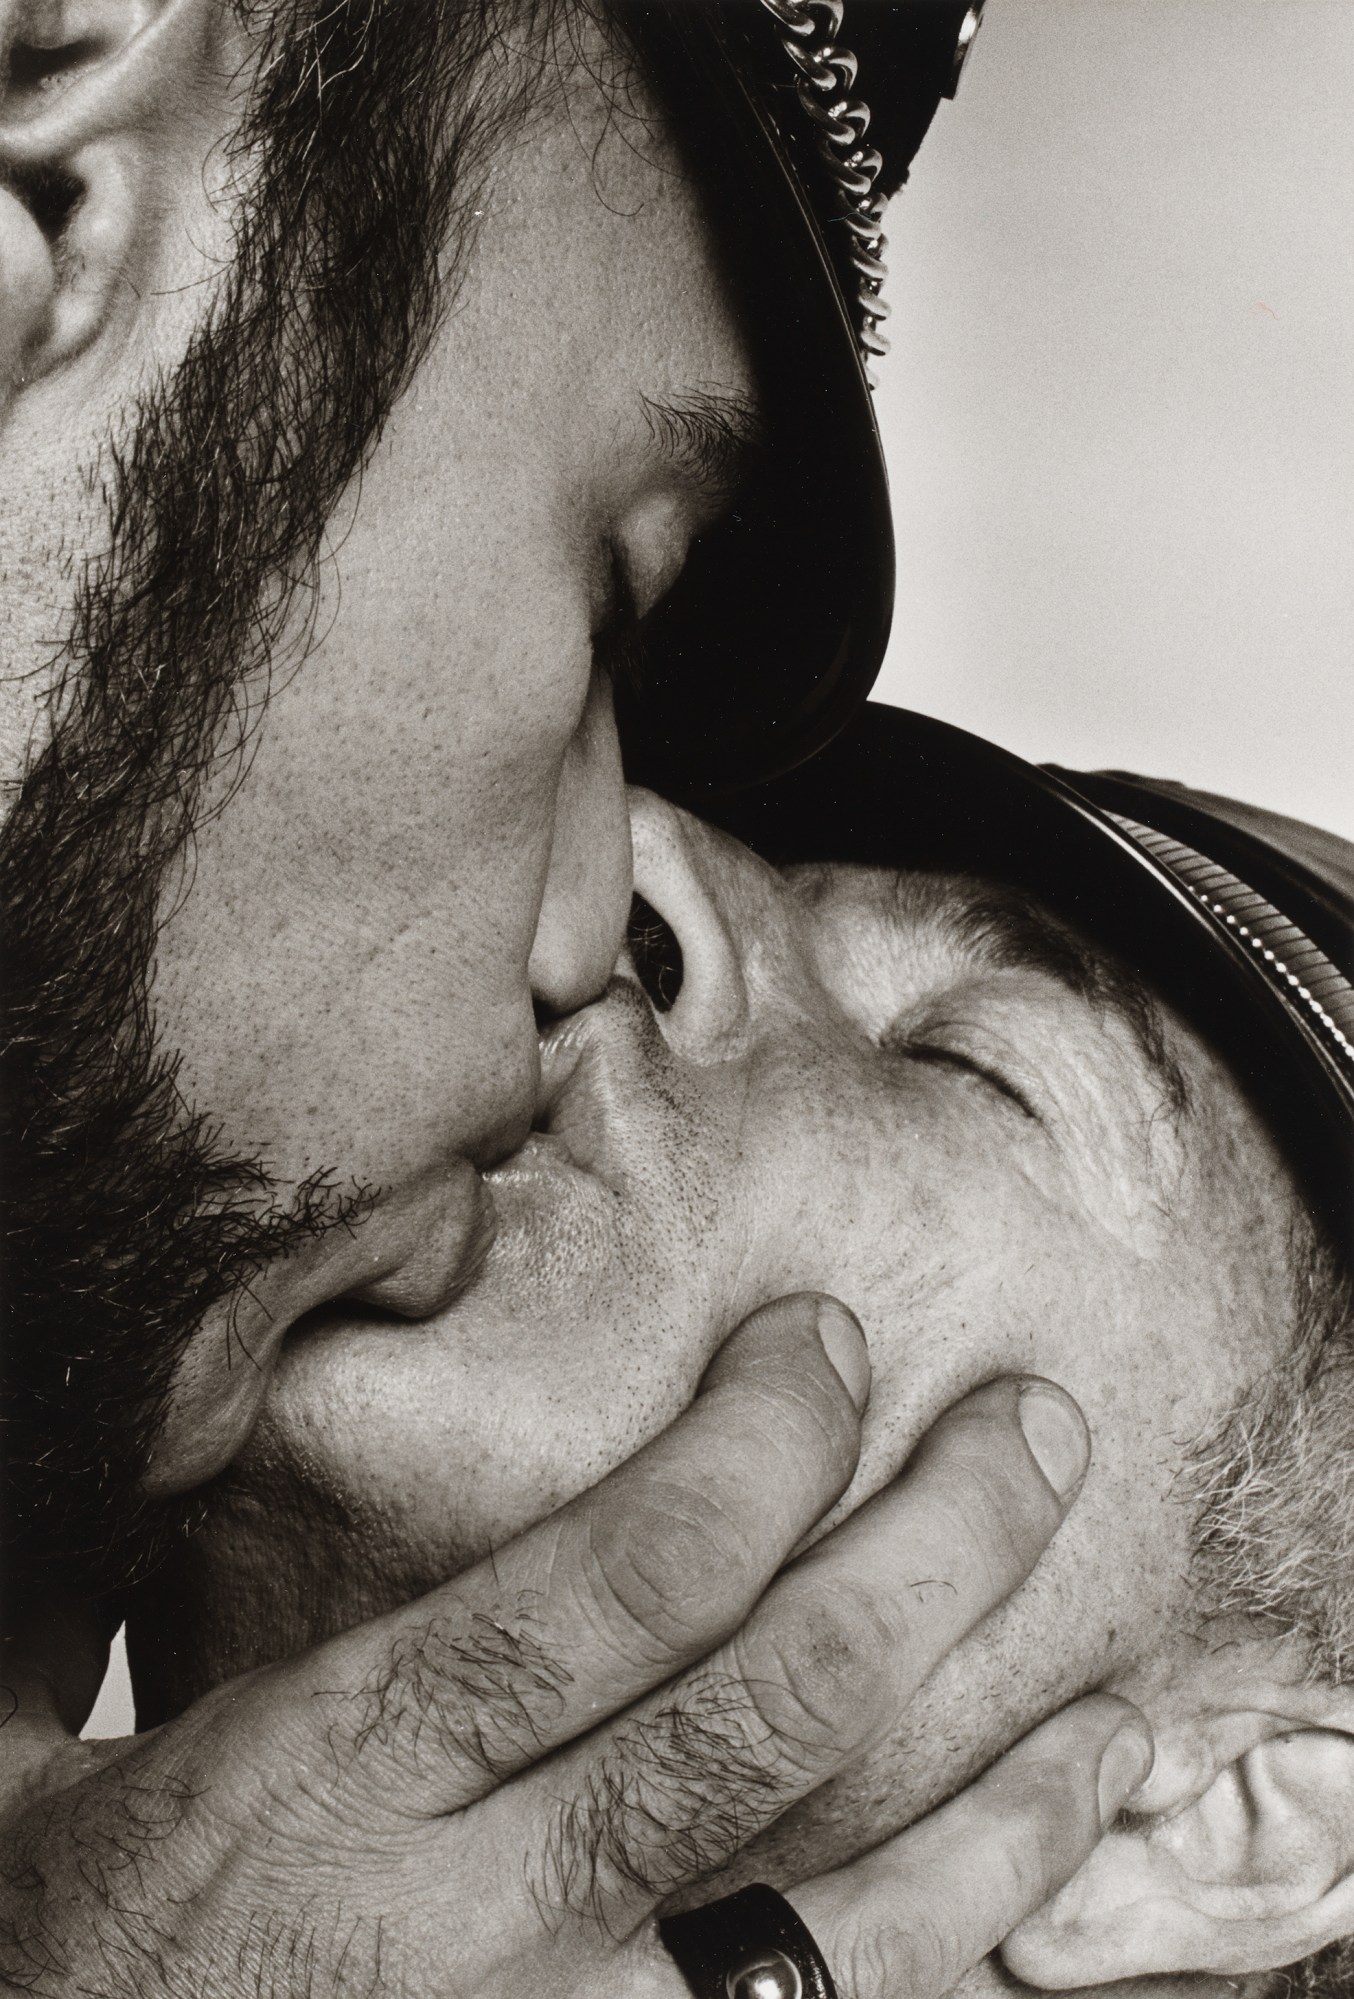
[1243,1862]
[98,130]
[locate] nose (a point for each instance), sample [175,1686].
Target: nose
[676,873]
[586,898]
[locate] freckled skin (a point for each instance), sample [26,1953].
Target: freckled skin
[758,1139]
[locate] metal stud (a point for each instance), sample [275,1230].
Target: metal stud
[1191,868]
[831,11]
[968,28]
[769,1975]
[793,15]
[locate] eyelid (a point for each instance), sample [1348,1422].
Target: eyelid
[716,438]
[930,1051]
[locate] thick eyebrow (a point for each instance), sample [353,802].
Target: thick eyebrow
[1008,928]
[1003,927]
[714,437]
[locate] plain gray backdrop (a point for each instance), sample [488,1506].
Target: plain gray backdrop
[1120,407]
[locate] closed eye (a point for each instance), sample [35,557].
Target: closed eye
[927,1051]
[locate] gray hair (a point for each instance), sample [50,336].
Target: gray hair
[1274,1485]
[1275,1481]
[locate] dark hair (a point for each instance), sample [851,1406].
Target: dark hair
[122,1218]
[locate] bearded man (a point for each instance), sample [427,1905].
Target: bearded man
[377,378]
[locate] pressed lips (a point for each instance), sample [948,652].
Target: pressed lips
[593,1064]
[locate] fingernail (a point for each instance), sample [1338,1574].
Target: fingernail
[1124,1767]
[844,1345]
[1056,1433]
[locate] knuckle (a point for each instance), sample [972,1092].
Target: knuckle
[1048,1824]
[996,1526]
[918,1957]
[665,1572]
[812,1666]
[997,1459]
[805,1409]
[1018,1870]
[453,1688]
[674,1795]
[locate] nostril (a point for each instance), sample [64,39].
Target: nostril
[655,953]
[686,933]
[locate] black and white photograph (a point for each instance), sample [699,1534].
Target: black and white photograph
[677,860]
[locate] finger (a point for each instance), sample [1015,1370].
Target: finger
[911,1918]
[615,1593]
[828,1660]
[982,1497]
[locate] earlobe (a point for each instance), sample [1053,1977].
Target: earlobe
[1254,1872]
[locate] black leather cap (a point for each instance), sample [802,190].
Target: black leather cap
[1242,919]
[777,630]
[913,58]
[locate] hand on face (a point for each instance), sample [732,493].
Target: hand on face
[907,1090]
[920,1092]
[510,1776]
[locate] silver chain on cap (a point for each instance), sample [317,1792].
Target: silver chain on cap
[826,73]
[824,83]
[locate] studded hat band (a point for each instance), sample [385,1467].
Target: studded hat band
[1313,989]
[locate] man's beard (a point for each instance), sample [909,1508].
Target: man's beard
[124,1219]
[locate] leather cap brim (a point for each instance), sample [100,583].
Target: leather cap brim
[778,628]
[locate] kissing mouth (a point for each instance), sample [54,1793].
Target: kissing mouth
[595,1065]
